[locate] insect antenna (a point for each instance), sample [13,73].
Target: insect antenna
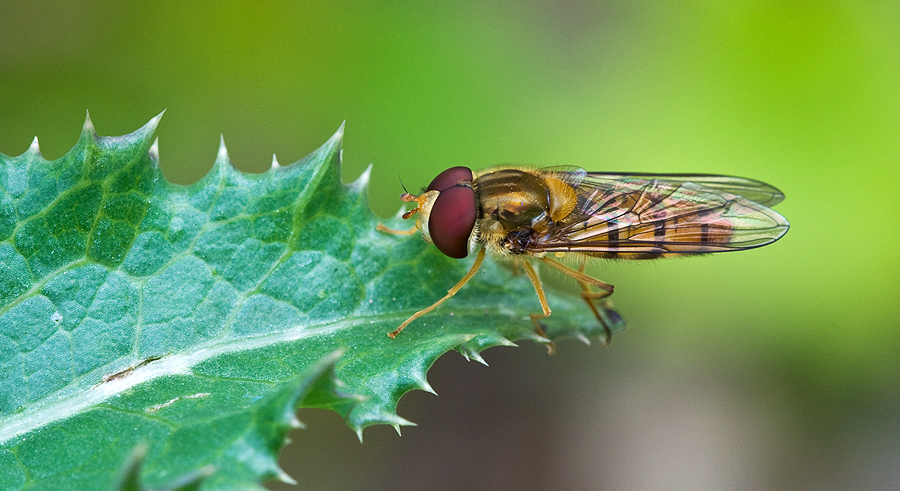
[402,185]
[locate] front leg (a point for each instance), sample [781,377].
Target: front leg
[478,259]
[382,228]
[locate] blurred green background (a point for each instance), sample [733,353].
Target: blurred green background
[777,368]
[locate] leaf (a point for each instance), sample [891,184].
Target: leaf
[192,321]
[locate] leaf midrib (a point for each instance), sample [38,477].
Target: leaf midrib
[63,407]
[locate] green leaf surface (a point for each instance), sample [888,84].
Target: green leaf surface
[192,321]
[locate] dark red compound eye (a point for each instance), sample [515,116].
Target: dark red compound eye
[453,212]
[452,219]
[450,177]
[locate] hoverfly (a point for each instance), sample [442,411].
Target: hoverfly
[527,215]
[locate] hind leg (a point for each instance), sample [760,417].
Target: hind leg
[589,296]
[587,293]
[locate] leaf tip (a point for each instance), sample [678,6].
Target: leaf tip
[223,150]
[537,338]
[154,122]
[146,131]
[88,124]
[140,138]
[362,182]
[35,148]
[382,417]
[154,151]
[470,354]
[424,385]
[337,138]
[398,422]
[284,477]
[193,480]
[129,476]
[507,342]
[222,158]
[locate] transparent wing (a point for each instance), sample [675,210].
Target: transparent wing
[757,191]
[637,216]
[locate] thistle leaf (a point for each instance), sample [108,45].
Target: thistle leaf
[190,322]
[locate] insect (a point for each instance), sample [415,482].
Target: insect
[541,215]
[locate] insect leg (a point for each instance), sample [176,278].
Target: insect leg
[545,307]
[589,296]
[536,282]
[578,275]
[478,259]
[586,293]
[382,228]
